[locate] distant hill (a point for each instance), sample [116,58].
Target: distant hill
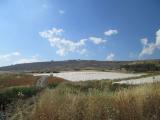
[68,65]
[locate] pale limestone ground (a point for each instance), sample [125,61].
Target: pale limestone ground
[91,75]
[140,80]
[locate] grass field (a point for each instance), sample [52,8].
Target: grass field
[85,100]
[94,100]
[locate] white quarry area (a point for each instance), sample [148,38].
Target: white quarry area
[144,80]
[90,75]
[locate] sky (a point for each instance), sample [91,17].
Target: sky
[45,30]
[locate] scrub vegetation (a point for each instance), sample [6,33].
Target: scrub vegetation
[14,87]
[142,67]
[86,100]
[95,100]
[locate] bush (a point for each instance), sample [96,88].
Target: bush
[145,67]
[53,85]
[13,94]
[53,82]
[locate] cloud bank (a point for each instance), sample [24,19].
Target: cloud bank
[110,57]
[9,56]
[64,46]
[149,48]
[97,40]
[28,60]
[17,58]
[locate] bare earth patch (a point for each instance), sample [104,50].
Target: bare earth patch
[94,75]
[140,80]
[13,80]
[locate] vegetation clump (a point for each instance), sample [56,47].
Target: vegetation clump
[85,100]
[73,101]
[142,67]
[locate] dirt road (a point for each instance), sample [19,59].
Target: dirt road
[42,81]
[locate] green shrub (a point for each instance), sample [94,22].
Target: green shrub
[145,67]
[53,85]
[11,95]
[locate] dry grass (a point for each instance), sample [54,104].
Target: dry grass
[12,80]
[63,103]
[52,80]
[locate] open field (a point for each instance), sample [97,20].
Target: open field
[94,75]
[93,100]
[121,78]
[60,99]
[14,80]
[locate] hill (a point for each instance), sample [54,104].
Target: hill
[68,65]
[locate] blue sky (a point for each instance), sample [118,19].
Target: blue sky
[42,30]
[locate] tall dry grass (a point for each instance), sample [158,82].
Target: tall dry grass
[65,103]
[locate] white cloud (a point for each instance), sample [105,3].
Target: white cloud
[97,40]
[64,46]
[9,56]
[27,60]
[61,12]
[158,38]
[61,52]
[51,33]
[111,32]
[17,58]
[144,41]
[110,57]
[149,48]
[83,51]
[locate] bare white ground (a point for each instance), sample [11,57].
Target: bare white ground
[140,80]
[83,76]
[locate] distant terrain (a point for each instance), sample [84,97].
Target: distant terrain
[96,94]
[77,65]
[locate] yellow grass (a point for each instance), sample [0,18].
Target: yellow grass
[139,103]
